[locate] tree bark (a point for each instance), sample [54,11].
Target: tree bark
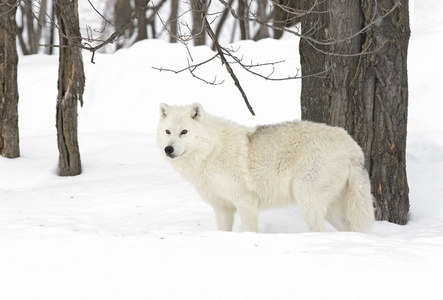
[71,82]
[173,20]
[262,32]
[122,15]
[198,27]
[244,25]
[285,14]
[34,24]
[50,50]
[9,133]
[367,94]
[141,22]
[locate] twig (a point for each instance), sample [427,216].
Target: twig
[103,17]
[191,69]
[219,49]
[227,65]
[307,36]
[112,38]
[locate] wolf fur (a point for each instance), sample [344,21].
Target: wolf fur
[242,169]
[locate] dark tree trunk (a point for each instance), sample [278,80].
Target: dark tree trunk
[33,18]
[286,13]
[142,25]
[198,15]
[366,94]
[173,20]
[262,32]
[244,25]
[325,97]
[122,15]
[50,50]
[222,20]
[71,82]
[9,136]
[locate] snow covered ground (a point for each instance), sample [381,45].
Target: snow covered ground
[130,228]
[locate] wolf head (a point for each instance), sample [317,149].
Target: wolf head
[180,132]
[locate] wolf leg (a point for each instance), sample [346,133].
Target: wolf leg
[336,216]
[315,220]
[249,217]
[313,207]
[224,217]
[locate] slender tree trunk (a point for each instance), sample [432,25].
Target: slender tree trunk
[262,32]
[33,15]
[173,20]
[122,12]
[366,94]
[285,15]
[244,26]
[198,29]
[50,50]
[71,82]
[41,22]
[9,135]
[142,25]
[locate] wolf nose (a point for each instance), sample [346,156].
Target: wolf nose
[169,150]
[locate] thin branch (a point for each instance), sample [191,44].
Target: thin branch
[365,51]
[214,82]
[17,4]
[191,69]
[308,37]
[117,33]
[249,67]
[219,49]
[182,40]
[103,17]
[112,38]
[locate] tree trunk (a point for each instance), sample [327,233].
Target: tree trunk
[173,20]
[367,94]
[198,15]
[262,32]
[9,136]
[222,20]
[122,12]
[71,82]
[29,38]
[285,14]
[50,50]
[142,25]
[244,25]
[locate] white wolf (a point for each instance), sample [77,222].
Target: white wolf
[243,169]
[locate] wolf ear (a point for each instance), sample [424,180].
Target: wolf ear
[164,110]
[196,111]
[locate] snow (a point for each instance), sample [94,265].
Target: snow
[131,228]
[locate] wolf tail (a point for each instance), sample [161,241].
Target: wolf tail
[359,202]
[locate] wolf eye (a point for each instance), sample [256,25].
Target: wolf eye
[184,131]
[167,131]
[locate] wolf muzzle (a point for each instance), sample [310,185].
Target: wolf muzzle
[169,150]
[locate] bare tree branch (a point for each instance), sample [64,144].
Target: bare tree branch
[191,69]
[308,35]
[228,66]
[103,17]
[111,39]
